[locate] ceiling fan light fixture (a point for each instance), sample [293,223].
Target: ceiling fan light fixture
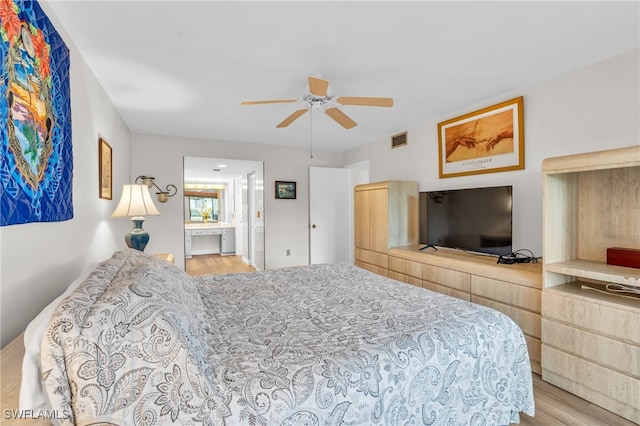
[317,105]
[317,95]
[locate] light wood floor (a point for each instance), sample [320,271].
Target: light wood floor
[212,264]
[557,407]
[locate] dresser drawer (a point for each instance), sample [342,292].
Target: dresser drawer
[596,315]
[620,356]
[406,267]
[534,346]
[529,322]
[460,281]
[511,294]
[373,268]
[602,386]
[373,258]
[405,278]
[464,295]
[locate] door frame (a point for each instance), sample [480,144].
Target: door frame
[252,166]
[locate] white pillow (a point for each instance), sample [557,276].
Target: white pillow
[32,395]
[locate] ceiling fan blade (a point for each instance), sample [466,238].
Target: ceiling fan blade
[277,101]
[318,86]
[293,117]
[341,118]
[379,102]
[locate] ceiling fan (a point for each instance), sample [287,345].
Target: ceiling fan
[318,95]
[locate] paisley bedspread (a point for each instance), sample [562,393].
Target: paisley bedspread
[141,343]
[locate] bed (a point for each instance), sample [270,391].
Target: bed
[138,342]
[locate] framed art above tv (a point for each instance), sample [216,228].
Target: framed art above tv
[484,141]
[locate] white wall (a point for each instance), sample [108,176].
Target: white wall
[591,109]
[39,260]
[286,221]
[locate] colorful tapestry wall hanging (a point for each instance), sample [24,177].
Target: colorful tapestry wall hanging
[36,161]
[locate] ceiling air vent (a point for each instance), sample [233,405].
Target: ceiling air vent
[399,140]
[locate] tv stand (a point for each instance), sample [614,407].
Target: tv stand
[515,290]
[429,245]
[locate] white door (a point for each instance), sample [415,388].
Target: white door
[328,215]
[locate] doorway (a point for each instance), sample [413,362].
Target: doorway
[221,188]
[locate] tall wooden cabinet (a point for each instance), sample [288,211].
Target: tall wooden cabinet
[386,215]
[590,338]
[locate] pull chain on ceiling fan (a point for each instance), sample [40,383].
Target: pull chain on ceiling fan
[310,134]
[317,95]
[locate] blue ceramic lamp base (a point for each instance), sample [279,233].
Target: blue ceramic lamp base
[137,238]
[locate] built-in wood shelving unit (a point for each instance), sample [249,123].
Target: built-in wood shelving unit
[590,338]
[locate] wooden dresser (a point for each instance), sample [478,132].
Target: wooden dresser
[386,215]
[512,289]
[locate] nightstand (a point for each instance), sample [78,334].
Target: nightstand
[166,256]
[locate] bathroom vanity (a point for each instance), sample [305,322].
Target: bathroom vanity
[209,238]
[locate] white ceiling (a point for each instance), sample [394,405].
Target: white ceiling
[183,67]
[216,170]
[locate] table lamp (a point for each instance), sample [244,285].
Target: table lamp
[136,203]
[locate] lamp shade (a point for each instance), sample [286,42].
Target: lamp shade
[135,201]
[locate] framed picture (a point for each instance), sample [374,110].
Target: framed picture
[105,169]
[285,190]
[485,141]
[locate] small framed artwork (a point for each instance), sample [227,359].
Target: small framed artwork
[285,190]
[105,169]
[485,141]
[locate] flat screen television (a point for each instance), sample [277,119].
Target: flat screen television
[475,219]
